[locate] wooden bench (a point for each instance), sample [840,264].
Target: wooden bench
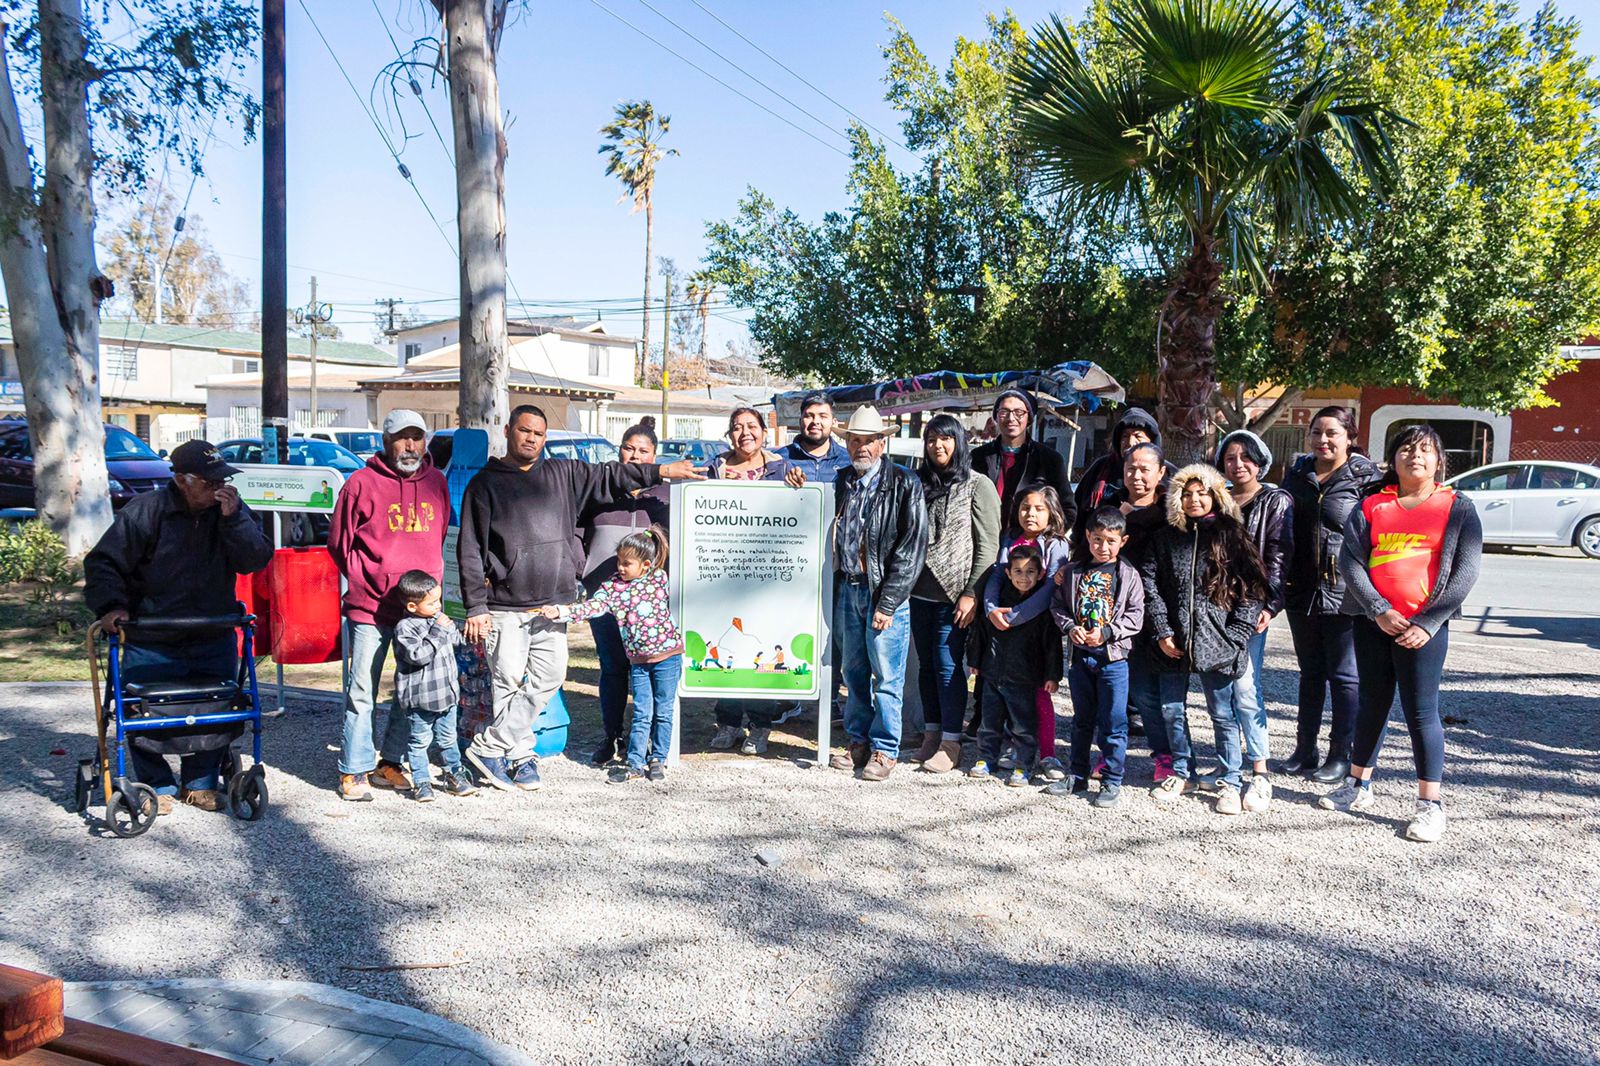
[35,1032]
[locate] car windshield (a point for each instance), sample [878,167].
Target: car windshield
[362,443]
[600,451]
[120,444]
[322,453]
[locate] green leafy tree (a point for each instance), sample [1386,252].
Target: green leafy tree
[633,151]
[1198,121]
[804,647]
[196,287]
[695,646]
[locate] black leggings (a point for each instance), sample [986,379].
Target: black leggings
[1385,666]
[1326,652]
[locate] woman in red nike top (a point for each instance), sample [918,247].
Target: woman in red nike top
[1410,557]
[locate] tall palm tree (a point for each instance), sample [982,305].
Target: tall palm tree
[1202,123]
[632,150]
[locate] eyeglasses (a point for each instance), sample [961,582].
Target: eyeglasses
[1011,415]
[210,483]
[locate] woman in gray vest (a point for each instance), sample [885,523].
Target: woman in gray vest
[963,540]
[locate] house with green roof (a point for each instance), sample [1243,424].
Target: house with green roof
[153,378]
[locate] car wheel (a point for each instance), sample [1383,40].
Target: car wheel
[1588,537]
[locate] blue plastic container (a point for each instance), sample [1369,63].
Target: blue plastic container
[550,727]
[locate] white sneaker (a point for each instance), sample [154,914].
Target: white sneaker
[756,742]
[795,711]
[1228,799]
[1258,793]
[1170,791]
[1349,797]
[1427,823]
[1052,770]
[727,737]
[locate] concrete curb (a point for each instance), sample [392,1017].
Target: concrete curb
[329,996]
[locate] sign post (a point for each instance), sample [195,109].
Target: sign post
[752,589]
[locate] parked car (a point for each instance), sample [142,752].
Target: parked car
[363,442]
[302,452]
[700,450]
[560,444]
[1555,504]
[132,465]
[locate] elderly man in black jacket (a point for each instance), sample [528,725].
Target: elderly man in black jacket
[515,552]
[1013,461]
[880,540]
[175,553]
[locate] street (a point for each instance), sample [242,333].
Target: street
[929,919]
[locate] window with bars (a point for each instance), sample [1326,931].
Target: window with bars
[244,421]
[324,418]
[120,362]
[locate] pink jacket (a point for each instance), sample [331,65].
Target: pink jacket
[382,526]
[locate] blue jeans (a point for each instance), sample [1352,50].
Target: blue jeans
[614,672]
[874,668]
[942,650]
[1099,709]
[1249,705]
[655,690]
[358,752]
[1219,690]
[211,659]
[1154,694]
[429,730]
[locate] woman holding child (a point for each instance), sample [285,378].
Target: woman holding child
[963,538]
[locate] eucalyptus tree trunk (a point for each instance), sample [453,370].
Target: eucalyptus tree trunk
[1188,352]
[53,284]
[473,29]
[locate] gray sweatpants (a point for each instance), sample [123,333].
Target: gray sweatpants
[528,659]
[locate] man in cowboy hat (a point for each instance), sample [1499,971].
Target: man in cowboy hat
[880,541]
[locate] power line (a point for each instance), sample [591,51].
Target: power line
[796,74]
[675,25]
[405,172]
[412,83]
[742,95]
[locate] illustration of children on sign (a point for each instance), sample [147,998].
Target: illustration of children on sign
[711,658]
[736,645]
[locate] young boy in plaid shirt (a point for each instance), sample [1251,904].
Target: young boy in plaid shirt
[427,689]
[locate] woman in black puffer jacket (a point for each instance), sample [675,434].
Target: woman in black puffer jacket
[1326,485]
[1204,591]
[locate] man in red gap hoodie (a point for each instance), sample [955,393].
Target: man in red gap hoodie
[391,517]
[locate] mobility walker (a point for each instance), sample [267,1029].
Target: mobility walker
[172,718]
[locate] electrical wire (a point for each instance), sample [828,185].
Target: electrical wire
[742,95]
[404,62]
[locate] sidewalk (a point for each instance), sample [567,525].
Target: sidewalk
[284,1023]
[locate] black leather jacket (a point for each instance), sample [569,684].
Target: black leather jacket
[1269,519]
[1312,584]
[896,538]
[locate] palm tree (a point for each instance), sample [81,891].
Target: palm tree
[1201,122]
[632,150]
[700,289]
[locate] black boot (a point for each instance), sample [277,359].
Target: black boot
[1303,761]
[606,753]
[1334,771]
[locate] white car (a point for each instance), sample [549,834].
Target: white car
[1536,502]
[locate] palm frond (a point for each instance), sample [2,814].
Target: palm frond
[1225,53]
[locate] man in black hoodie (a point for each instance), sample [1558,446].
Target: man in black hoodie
[517,520]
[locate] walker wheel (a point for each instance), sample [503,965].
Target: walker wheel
[131,811]
[84,786]
[247,794]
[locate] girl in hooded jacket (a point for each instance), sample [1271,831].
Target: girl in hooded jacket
[1204,591]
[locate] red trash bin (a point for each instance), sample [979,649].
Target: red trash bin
[252,591]
[303,587]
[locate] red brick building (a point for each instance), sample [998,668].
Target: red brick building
[1568,432]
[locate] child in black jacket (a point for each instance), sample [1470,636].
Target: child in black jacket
[1015,663]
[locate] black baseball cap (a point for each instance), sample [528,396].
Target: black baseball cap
[200,458]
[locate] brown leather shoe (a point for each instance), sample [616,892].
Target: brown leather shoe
[947,758]
[354,788]
[388,775]
[930,745]
[878,768]
[205,798]
[163,804]
[853,758]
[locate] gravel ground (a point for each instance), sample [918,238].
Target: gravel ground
[929,919]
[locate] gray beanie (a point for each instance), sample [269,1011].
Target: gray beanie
[1254,447]
[1033,408]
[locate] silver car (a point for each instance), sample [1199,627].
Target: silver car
[1534,502]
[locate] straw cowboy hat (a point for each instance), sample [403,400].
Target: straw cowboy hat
[865,421]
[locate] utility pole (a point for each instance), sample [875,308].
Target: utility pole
[274,225]
[666,353]
[314,314]
[388,305]
[157,318]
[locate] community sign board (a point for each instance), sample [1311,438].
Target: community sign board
[751,570]
[276,487]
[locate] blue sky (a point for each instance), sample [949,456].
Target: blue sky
[355,222]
